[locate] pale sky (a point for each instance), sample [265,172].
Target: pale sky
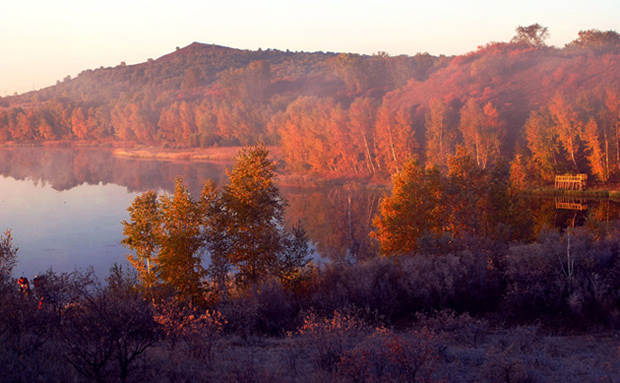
[42,41]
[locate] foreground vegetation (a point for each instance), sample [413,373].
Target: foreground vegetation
[375,321]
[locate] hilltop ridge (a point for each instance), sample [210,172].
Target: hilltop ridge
[329,112]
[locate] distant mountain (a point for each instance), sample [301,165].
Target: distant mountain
[335,112]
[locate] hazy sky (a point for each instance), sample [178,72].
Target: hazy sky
[42,41]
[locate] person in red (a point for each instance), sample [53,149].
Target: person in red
[24,286]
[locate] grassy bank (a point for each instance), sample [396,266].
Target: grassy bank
[586,194]
[192,154]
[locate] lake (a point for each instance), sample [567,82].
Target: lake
[65,206]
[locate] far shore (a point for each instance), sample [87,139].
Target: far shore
[190,154]
[132,150]
[584,194]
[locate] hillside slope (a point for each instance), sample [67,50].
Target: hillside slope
[330,112]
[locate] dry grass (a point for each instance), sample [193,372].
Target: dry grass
[153,153]
[506,355]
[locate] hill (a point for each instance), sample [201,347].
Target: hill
[342,112]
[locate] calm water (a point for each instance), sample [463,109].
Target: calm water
[65,206]
[63,229]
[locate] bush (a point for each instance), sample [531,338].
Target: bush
[567,276]
[327,339]
[197,332]
[462,329]
[385,356]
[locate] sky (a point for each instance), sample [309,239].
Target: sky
[43,41]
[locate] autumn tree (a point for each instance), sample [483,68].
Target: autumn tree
[5,135]
[165,234]
[568,126]
[305,129]
[596,40]
[543,143]
[215,238]
[479,201]
[598,152]
[413,208]
[179,259]
[483,131]
[441,133]
[250,83]
[241,227]
[611,121]
[79,127]
[533,35]
[141,234]
[395,137]
[206,119]
[351,68]
[98,123]
[344,156]
[362,116]
[254,213]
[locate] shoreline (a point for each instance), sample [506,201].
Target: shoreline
[586,194]
[192,154]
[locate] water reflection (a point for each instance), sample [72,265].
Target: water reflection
[338,219]
[65,205]
[563,212]
[567,203]
[66,168]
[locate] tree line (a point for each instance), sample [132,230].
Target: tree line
[342,113]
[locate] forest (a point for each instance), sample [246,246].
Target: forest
[350,114]
[458,280]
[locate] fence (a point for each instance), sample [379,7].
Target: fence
[576,182]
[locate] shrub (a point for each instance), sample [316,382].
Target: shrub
[462,329]
[385,356]
[197,332]
[327,339]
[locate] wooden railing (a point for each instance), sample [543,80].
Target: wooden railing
[571,204]
[576,182]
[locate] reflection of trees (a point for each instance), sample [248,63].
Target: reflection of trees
[597,217]
[337,219]
[66,168]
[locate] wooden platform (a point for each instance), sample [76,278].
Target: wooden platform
[564,203]
[576,182]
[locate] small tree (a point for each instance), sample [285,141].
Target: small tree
[254,215]
[165,234]
[295,254]
[533,35]
[142,236]
[412,210]
[180,261]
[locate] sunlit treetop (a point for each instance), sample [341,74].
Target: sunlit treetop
[534,35]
